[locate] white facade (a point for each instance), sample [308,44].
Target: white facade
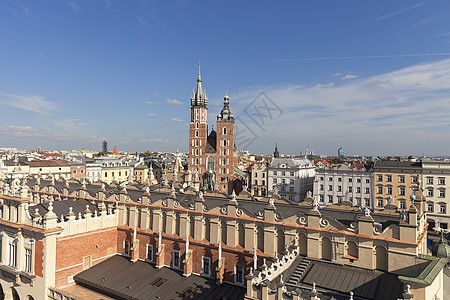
[336,184]
[93,172]
[436,182]
[293,177]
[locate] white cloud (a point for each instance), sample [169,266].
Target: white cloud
[154,140]
[19,131]
[152,115]
[155,94]
[149,102]
[381,114]
[349,76]
[175,120]
[74,5]
[409,8]
[32,103]
[173,101]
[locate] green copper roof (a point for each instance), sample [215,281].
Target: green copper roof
[429,274]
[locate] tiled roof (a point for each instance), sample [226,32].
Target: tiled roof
[46,163]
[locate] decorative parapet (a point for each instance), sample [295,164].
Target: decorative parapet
[274,269]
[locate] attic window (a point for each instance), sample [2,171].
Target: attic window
[158,281]
[189,292]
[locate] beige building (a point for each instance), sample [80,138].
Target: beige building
[396,180]
[258,178]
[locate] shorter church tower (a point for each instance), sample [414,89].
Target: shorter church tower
[226,157]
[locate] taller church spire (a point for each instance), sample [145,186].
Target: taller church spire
[199,97]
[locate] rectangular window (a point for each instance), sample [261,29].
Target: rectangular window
[106,174]
[87,262]
[401,179]
[330,178]
[367,202]
[379,190]
[430,193]
[389,190]
[263,175]
[291,173]
[149,252]
[442,193]
[379,177]
[402,204]
[206,266]
[441,180]
[443,209]
[414,179]
[339,199]
[367,180]
[126,248]
[321,187]
[339,188]
[380,202]
[358,180]
[429,180]
[321,178]
[367,190]
[330,199]
[283,181]
[430,207]
[274,172]
[330,187]
[401,191]
[176,258]
[28,260]
[350,180]
[283,173]
[339,179]
[350,189]
[239,274]
[358,189]
[112,174]
[389,178]
[12,262]
[120,173]
[321,198]
[291,189]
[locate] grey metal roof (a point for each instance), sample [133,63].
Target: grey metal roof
[123,279]
[291,162]
[335,279]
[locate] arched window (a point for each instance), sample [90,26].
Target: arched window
[224,171]
[224,130]
[196,133]
[196,161]
[224,152]
[196,125]
[241,230]
[196,143]
[381,258]
[326,249]
[352,249]
[196,151]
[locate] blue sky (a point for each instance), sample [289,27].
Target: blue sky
[370,76]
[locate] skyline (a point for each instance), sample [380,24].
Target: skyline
[373,79]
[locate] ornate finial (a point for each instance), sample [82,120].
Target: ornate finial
[314,287]
[408,290]
[351,295]
[233,196]
[315,204]
[366,211]
[50,206]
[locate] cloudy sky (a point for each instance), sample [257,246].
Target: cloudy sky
[372,77]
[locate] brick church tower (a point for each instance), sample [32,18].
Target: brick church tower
[212,154]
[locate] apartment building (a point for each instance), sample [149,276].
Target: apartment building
[293,177]
[344,182]
[258,178]
[436,184]
[396,180]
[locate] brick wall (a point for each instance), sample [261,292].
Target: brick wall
[39,258]
[70,252]
[200,249]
